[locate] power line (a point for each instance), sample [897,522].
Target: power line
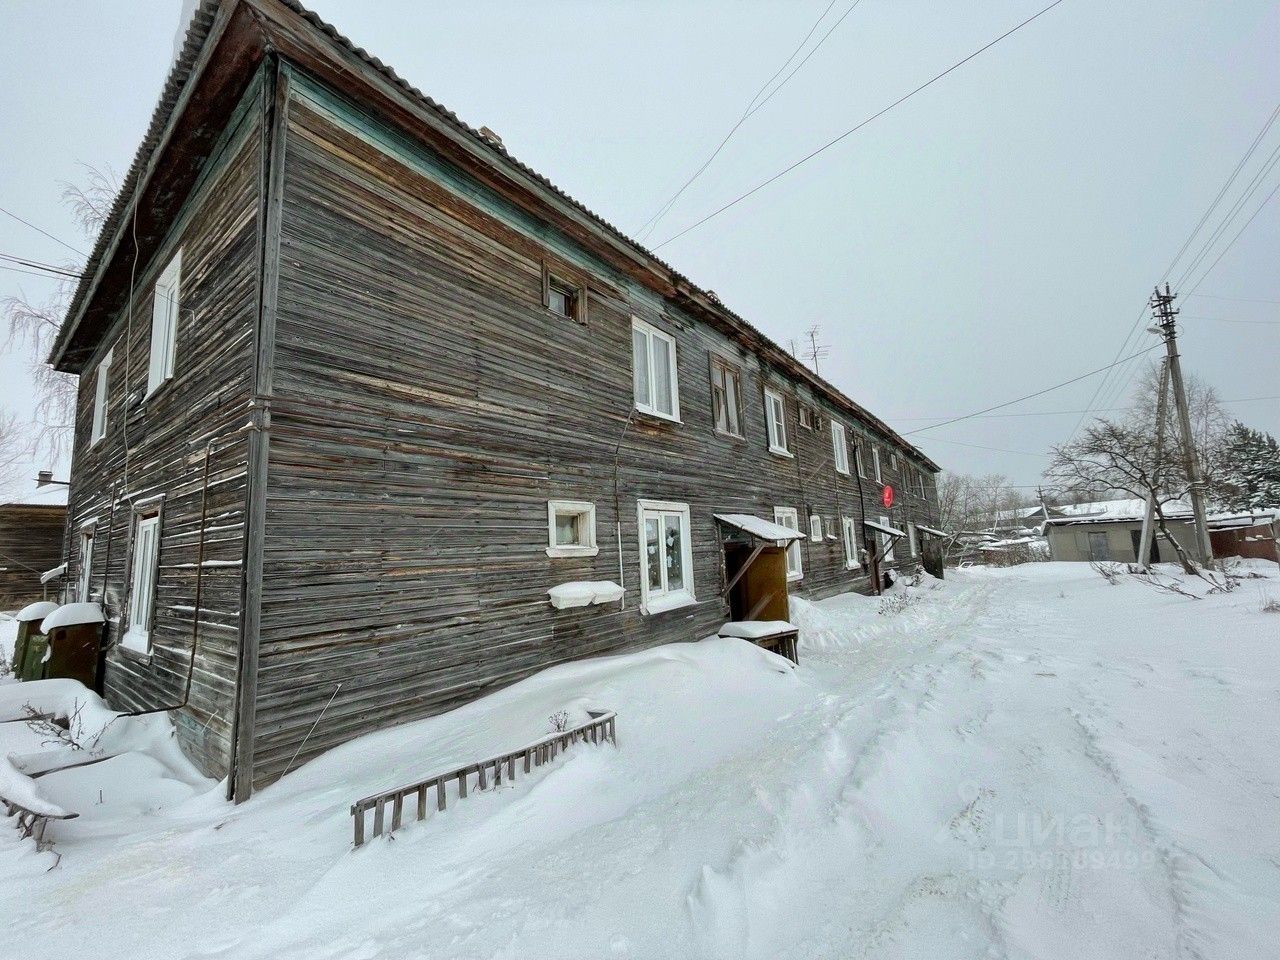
[28,223]
[1116,382]
[1054,413]
[751,108]
[1237,236]
[1038,393]
[1215,296]
[978,446]
[852,130]
[1229,320]
[30,273]
[37,265]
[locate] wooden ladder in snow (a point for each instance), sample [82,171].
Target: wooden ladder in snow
[601,727]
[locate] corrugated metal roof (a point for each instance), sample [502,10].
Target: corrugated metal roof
[198,33]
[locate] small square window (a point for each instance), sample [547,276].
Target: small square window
[563,300]
[571,528]
[809,418]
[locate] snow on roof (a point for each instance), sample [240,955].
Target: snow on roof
[891,531]
[1127,508]
[1241,519]
[54,495]
[71,615]
[760,528]
[929,530]
[53,574]
[35,611]
[756,629]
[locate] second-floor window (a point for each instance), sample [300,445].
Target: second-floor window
[839,447]
[653,369]
[875,460]
[858,462]
[775,410]
[100,399]
[726,394]
[164,324]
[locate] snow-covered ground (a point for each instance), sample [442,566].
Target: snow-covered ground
[1027,762]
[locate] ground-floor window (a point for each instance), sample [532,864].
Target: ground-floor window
[666,556]
[142,582]
[787,517]
[815,528]
[86,563]
[850,531]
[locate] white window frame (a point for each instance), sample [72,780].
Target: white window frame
[815,528]
[722,372]
[886,542]
[87,531]
[790,518]
[646,405]
[875,460]
[858,462]
[840,447]
[144,563]
[775,418]
[849,532]
[652,601]
[582,508]
[911,539]
[101,393]
[830,524]
[165,303]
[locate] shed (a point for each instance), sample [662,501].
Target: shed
[31,538]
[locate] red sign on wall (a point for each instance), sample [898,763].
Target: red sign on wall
[886,496]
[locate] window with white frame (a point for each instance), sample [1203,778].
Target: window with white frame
[911,538]
[893,461]
[100,395]
[857,460]
[86,562]
[142,582]
[164,323]
[789,518]
[571,528]
[653,369]
[875,461]
[666,556]
[815,528]
[775,411]
[850,531]
[830,523]
[726,393]
[886,542]
[839,447]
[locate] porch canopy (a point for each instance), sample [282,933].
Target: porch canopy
[760,528]
[881,528]
[929,530]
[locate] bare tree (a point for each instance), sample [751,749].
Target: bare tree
[1209,422]
[1108,457]
[33,324]
[13,447]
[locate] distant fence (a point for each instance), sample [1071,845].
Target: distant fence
[601,727]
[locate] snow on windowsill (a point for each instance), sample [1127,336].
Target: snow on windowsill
[582,593]
[566,551]
[669,601]
[136,641]
[779,452]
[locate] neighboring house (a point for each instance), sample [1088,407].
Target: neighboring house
[1112,530]
[31,544]
[368,387]
[1251,533]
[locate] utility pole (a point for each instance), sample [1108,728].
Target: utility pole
[1162,305]
[1148,520]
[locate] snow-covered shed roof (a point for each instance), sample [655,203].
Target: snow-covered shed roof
[760,528]
[1113,511]
[54,495]
[882,528]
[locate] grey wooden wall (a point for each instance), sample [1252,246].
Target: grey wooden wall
[425,409]
[30,543]
[156,448]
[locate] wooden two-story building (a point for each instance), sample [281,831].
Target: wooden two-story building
[358,388]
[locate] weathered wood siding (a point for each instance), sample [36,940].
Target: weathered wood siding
[156,448]
[426,407]
[30,543]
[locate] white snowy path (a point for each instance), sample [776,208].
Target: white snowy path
[1027,763]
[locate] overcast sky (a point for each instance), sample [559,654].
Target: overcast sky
[992,236]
